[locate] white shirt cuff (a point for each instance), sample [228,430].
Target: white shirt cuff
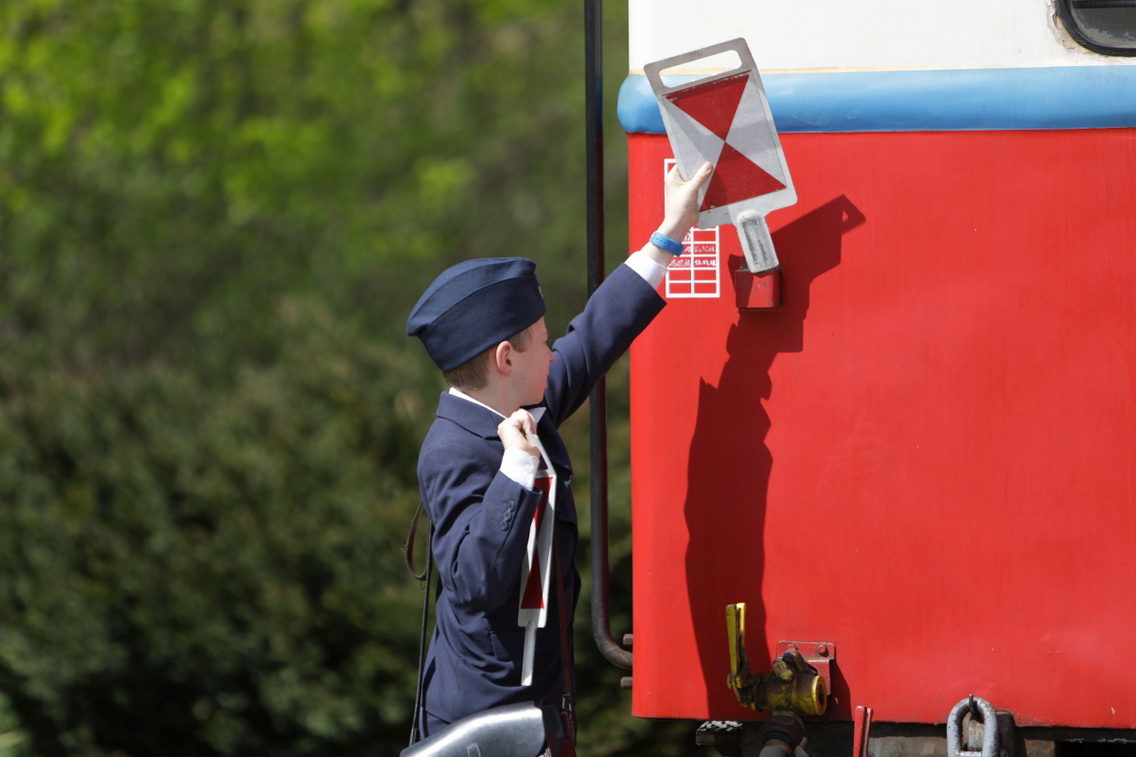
[520,466]
[651,271]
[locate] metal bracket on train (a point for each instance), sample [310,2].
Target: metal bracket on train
[757,291]
[799,683]
[975,729]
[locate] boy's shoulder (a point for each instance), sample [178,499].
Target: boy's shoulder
[461,431]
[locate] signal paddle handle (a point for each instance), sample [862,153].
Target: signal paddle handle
[757,244]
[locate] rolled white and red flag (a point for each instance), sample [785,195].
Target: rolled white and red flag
[536,570]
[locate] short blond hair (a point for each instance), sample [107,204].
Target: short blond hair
[472,374]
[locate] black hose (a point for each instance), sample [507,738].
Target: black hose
[593,72]
[775,748]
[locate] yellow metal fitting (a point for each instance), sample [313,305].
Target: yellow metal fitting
[740,679]
[794,687]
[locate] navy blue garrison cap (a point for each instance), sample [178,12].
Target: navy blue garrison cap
[475,305]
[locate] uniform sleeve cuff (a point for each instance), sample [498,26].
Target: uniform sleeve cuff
[648,269]
[520,466]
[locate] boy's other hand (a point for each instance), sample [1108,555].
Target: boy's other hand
[682,201]
[512,432]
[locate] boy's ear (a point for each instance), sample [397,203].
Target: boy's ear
[503,358]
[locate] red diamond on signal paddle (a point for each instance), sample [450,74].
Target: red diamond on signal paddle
[533,598]
[735,178]
[713,104]
[534,593]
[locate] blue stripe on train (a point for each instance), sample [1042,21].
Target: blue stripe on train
[1069,97]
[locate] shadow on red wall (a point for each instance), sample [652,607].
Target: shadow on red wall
[730,465]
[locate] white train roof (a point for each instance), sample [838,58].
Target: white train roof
[862,35]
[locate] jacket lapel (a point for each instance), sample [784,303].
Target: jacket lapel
[558,456]
[553,445]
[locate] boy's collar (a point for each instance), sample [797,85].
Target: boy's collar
[462,395]
[467,412]
[537,412]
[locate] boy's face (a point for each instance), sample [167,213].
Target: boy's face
[531,366]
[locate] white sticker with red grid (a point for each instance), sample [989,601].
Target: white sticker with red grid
[694,273]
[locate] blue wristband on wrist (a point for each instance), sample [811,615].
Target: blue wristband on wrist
[664,242]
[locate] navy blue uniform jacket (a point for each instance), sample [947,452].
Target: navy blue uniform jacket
[482,517]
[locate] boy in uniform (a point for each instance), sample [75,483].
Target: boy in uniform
[482,323]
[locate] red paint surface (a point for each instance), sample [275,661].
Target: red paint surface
[925,457]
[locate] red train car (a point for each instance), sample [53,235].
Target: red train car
[920,451]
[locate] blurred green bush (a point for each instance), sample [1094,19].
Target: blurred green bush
[194,574]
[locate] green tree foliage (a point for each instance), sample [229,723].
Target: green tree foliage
[214,217]
[168,170]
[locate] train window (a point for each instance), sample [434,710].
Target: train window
[1103,26]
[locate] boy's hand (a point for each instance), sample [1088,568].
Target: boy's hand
[682,201]
[513,429]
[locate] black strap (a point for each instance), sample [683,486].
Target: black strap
[566,659]
[408,549]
